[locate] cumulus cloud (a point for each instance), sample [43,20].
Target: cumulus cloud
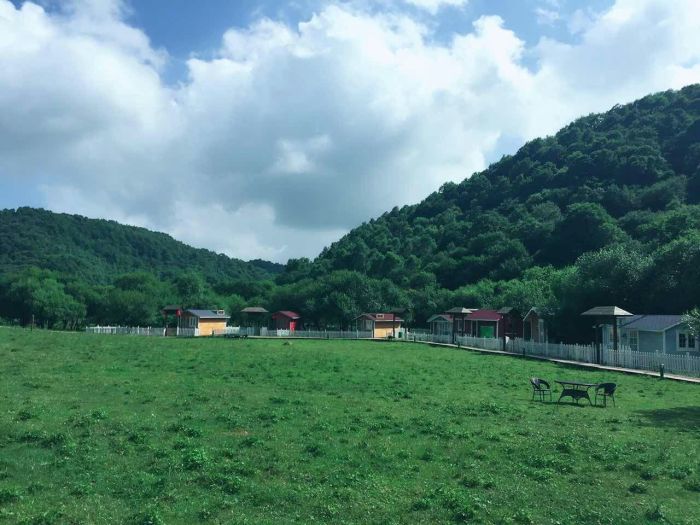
[290,135]
[433,6]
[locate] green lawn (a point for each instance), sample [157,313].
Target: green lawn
[113,429]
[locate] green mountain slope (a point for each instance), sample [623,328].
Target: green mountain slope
[98,250]
[628,177]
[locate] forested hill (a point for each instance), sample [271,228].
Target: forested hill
[629,177]
[97,251]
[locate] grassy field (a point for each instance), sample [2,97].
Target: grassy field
[116,429]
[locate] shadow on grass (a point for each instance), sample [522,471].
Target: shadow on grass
[686,419]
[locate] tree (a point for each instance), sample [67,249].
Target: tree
[585,227]
[692,319]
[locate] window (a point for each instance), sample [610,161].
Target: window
[686,341]
[633,340]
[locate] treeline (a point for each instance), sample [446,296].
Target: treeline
[628,177]
[666,282]
[99,251]
[607,211]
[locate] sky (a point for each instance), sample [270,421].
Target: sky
[265,129]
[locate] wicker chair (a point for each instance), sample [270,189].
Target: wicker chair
[540,388]
[605,390]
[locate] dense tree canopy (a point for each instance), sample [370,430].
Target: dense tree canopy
[607,211]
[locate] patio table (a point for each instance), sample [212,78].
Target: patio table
[575,390]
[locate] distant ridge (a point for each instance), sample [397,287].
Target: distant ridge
[99,250]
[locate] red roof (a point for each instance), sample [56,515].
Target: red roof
[286,313]
[485,315]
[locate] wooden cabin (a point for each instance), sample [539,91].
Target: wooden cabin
[203,322]
[486,323]
[285,320]
[535,326]
[382,325]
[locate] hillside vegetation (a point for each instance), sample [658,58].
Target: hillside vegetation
[112,429]
[607,211]
[100,250]
[66,269]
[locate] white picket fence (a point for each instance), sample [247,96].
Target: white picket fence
[582,353]
[624,357]
[487,343]
[141,330]
[429,338]
[126,330]
[684,364]
[319,334]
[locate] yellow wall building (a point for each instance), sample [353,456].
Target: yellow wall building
[382,325]
[203,322]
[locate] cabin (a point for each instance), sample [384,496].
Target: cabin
[535,326]
[512,322]
[202,322]
[486,323]
[666,334]
[285,320]
[382,325]
[440,324]
[453,320]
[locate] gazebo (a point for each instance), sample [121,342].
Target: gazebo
[395,313]
[256,315]
[605,315]
[172,310]
[512,323]
[458,312]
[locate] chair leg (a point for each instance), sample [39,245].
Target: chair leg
[613,398]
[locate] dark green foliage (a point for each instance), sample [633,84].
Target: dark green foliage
[554,200]
[607,211]
[609,204]
[100,250]
[67,270]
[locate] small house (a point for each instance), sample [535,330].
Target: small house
[535,326]
[285,320]
[440,324]
[512,322]
[382,325]
[486,323]
[453,320]
[203,322]
[657,333]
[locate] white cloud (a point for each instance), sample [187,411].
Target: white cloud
[289,136]
[547,16]
[433,6]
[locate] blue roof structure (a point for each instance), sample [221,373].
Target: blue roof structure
[207,314]
[651,323]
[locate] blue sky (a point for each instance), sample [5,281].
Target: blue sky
[186,27]
[288,122]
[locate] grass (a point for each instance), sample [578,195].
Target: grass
[116,429]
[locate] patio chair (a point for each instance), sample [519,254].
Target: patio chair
[540,388]
[605,390]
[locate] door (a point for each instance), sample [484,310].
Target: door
[486,331]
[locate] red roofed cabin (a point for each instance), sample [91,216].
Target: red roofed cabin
[285,320]
[382,325]
[486,323]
